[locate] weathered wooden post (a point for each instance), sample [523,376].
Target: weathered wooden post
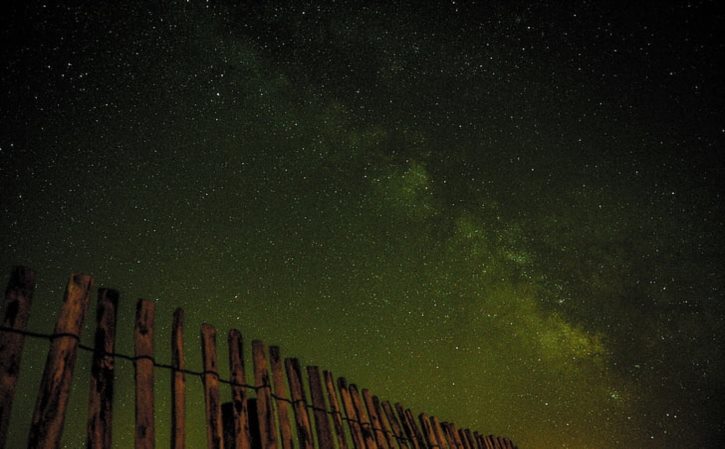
[144,374]
[335,408]
[352,419]
[212,403]
[280,392]
[178,382]
[18,298]
[363,417]
[100,397]
[299,403]
[398,431]
[322,421]
[375,425]
[265,410]
[46,427]
[386,427]
[242,434]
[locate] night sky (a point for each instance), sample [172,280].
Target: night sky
[505,215]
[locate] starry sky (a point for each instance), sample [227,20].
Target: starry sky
[503,214]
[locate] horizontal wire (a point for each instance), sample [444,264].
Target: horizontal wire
[116,355]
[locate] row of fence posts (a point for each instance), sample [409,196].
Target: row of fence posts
[260,422]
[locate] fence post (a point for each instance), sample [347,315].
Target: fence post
[178,382]
[299,403]
[335,408]
[213,406]
[46,427]
[352,419]
[386,427]
[265,413]
[280,393]
[18,299]
[397,429]
[375,425]
[100,397]
[442,438]
[322,422]
[144,374]
[362,416]
[242,435]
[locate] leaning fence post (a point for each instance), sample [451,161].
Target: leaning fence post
[395,424]
[367,431]
[265,413]
[386,427]
[100,397]
[46,427]
[242,434]
[322,421]
[375,425]
[441,436]
[18,298]
[335,409]
[213,406]
[428,431]
[280,393]
[352,418]
[144,374]
[299,403]
[178,382]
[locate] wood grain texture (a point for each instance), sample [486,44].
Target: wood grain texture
[100,396]
[265,407]
[322,420]
[212,403]
[240,402]
[280,391]
[335,408]
[46,427]
[18,299]
[178,382]
[144,437]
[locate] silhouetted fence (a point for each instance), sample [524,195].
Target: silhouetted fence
[262,421]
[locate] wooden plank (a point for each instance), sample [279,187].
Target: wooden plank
[265,407]
[376,426]
[367,431]
[280,393]
[18,299]
[335,408]
[403,441]
[482,443]
[322,421]
[144,368]
[440,434]
[409,431]
[385,424]
[100,397]
[299,402]
[454,439]
[428,432]
[467,437]
[352,419]
[241,429]
[46,427]
[417,433]
[478,441]
[213,405]
[178,382]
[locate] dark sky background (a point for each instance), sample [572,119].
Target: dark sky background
[506,215]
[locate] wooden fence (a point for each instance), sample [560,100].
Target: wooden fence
[344,416]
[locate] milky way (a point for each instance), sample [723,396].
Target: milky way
[504,215]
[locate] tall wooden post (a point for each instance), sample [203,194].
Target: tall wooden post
[335,408]
[280,392]
[100,397]
[299,403]
[376,426]
[242,434]
[367,431]
[144,437]
[322,421]
[18,298]
[265,410]
[213,405]
[46,427]
[178,382]
[352,418]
